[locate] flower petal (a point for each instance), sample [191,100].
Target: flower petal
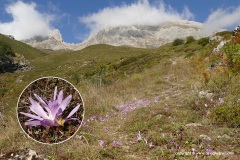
[32,123]
[31,116]
[36,108]
[47,122]
[50,104]
[41,100]
[49,111]
[55,109]
[73,111]
[60,97]
[65,102]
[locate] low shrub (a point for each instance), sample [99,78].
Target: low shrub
[190,39]
[225,115]
[178,41]
[5,50]
[203,41]
[232,52]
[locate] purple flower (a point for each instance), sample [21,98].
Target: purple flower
[92,118]
[221,100]
[166,109]
[193,149]
[163,135]
[165,146]
[49,113]
[208,151]
[139,137]
[196,102]
[146,141]
[101,142]
[116,143]
[211,100]
[100,119]
[151,145]
[176,145]
[206,105]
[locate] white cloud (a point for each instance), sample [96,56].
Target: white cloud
[27,21]
[220,19]
[138,13]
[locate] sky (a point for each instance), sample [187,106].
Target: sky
[76,20]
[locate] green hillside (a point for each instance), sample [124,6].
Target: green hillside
[180,97]
[21,48]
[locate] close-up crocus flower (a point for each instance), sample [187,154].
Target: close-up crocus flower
[49,113]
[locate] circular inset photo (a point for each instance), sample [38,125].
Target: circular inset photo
[50,110]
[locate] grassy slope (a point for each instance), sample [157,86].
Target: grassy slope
[21,48]
[161,83]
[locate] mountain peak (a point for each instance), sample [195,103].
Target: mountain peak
[56,34]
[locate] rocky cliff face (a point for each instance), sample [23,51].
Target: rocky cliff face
[143,36]
[136,36]
[53,42]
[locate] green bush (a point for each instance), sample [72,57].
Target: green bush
[178,41]
[225,115]
[190,39]
[5,50]
[232,51]
[6,56]
[203,41]
[230,48]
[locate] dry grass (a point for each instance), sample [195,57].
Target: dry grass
[163,95]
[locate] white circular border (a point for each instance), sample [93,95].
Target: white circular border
[82,113]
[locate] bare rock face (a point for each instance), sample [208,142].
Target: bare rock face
[136,36]
[143,36]
[53,42]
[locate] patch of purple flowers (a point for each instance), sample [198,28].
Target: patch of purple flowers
[124,108]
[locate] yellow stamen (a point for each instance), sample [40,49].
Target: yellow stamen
[60,121]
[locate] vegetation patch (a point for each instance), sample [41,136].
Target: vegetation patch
[203,41]
[190,39]
[178,41]
[227,115]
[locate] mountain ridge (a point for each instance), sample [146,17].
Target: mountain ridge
[139,36]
